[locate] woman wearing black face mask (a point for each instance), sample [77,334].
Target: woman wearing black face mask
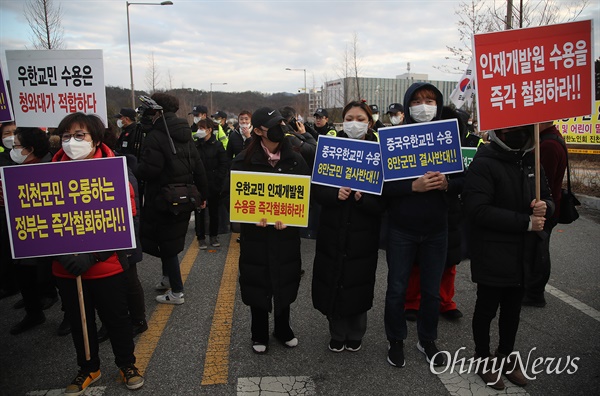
[270,254]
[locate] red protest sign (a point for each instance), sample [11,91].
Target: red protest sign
[526,76]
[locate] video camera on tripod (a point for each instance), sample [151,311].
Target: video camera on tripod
[150,108]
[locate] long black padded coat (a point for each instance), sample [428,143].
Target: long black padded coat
[162,232]
[270,259]
[346,252]
[498,190]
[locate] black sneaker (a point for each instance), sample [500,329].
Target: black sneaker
[452,315]
[396,354]
[139,327]
[431,352]
[353,345]
[28,322]
[48,302]
[538,302]
[20,304]
[336,346]
[81,382]
[132,377]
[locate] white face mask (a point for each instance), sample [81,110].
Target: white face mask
[8,142]
[120,123]
[375,117]
[197,119]
[201,134]
[396,120]
[242,126]
[423,112]
[17,155]
[77,150]
[355,129]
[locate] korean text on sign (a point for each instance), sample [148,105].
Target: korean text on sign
[581,130]
[409,151]
[68,207]
[276,197]
[341,162]
[48,85]
[532,75]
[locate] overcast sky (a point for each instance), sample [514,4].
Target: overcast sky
[249,43]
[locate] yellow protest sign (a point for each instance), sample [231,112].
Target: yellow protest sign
[581,130]
[275,197]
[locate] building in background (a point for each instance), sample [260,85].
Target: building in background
[379,91]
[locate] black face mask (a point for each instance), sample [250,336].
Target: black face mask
[516,140]
[276,133]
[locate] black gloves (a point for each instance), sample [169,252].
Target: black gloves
[77,264]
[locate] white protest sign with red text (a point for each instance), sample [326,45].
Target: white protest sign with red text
[526,76]
[46,85]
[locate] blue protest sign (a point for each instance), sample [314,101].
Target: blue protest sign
[342,162]
[409,151]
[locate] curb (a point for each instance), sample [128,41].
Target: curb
[588,201]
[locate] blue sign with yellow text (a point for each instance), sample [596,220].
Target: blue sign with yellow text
[342,162]
[409,151]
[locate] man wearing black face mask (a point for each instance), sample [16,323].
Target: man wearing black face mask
[506,234]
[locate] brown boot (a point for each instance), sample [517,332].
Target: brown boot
[512,369]
[489,371]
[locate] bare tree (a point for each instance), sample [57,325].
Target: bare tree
[152,74]
[349,70]
[169,80]
[535,12]
[356,61]
[44,18]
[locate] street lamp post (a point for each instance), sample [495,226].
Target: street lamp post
[305,91]
[211,85]
[129,42]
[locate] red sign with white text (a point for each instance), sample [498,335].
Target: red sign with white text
[532,75]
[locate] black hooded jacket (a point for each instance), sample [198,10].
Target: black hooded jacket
[425,212]
[162,232]
[498,191]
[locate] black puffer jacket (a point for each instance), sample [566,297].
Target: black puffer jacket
[163,233]
[216,165]
[270,259]
[346,252]
[499,188]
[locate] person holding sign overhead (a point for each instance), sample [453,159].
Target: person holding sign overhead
[417,232]
[270,258]
[103,273]
[347,246]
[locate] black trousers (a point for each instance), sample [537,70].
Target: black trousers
[135,295]
[488,300]
[109,297]
[260,325]
[36,282]
[212,206]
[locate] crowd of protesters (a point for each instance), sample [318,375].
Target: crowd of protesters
[424,224]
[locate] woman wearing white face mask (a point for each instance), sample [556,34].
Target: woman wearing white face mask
[103,275]
[34,275]
[347,247]
[216,166]
[7,131]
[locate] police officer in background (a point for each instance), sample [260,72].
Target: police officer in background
[396,113]
[322,126]
[378,124]
[126,144]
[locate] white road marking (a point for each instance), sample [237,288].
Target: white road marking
[586,309]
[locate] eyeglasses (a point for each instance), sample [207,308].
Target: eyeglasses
[78,136]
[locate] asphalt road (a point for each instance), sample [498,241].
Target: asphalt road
[203,347]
